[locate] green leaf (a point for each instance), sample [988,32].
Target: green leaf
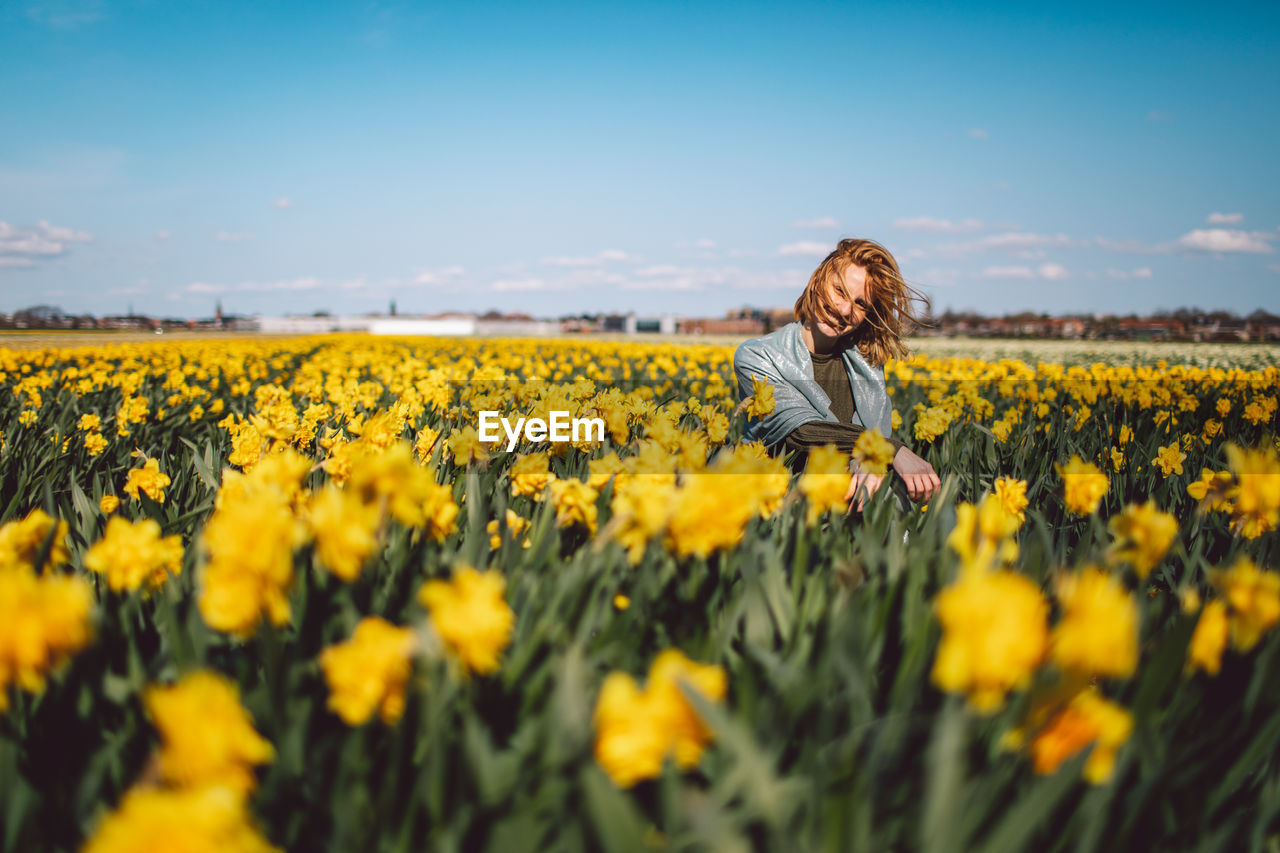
[495,772]
[1163,670]
[15,793]
[618,824]
[84,508]
[1263,746]
[1029,813]
[201,464]
[519,831]
[570,719]
[944,798]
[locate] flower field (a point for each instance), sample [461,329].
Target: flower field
[276,593]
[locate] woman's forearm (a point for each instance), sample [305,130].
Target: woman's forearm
[818,433]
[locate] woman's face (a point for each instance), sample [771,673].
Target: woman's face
[850,302]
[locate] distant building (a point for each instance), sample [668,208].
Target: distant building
[310,325]
[461,324]
[517,328]
[662,325]
[1262,326]
[726,326]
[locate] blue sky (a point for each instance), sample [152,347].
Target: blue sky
[690,158]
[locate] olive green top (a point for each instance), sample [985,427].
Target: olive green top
[830,374]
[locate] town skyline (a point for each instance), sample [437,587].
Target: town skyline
[591,159]
[1183,324]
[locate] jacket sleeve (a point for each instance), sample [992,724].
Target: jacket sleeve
[818,433]
[791,407]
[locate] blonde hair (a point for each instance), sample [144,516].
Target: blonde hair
[888,297]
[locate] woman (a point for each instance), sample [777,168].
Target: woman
[827,368]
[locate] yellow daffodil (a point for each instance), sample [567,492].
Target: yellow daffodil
[471,615]
[206,736]
[994,636]
[368,672]
[133,554]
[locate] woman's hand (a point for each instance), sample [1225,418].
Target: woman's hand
[921,480]
[862,487]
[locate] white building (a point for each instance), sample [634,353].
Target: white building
[451,325]
[662,325]
[311,325]
[439,326]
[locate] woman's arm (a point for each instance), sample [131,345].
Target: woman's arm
[817,433]
[917,475]
[921,480]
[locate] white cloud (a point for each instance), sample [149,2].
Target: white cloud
[306,283]
[23,247]
[828,223]
[704,244]
[63,235]
[31,244]
[1014,242]
[655,277]
[228,237]
[1225,218]
[565,277]
[126,291]
[687,283]
[162,235]
[912,254]
[606,256]
[568,261]
[1226,240]
[938,226]
[1007,272]
[65,14]
[282,203]
[940,277]
[1047,272]
[291,284]
[1134,247]
[674,278]
[439,276]
[1274,267]
[978,133]
[577,280]
[1125,275]
[805,248]
[520,284]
